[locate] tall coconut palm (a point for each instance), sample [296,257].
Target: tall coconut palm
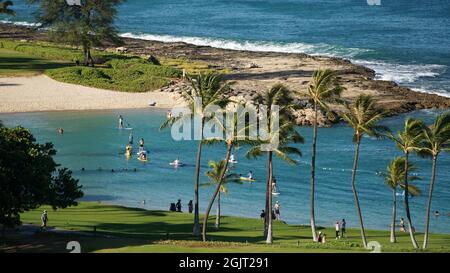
[409,140]
[208,91]
[363,116]
[436,139]
[394,178]
[232,134]
[277,97]
[4,7]
[215,178]
[322,89]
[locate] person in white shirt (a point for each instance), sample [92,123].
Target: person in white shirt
[337,228]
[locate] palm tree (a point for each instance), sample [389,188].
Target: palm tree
[215,178]
[394,178]
[363,116]
[276,97]
[436,139]
[208,90]
[4,7]
[235,134]
[322,89]
[409,140]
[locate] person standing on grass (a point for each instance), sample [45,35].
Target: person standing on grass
[277,211]
[44,219]
[337,228]
[178,205]
[402,225]
[190,206]
[343,224]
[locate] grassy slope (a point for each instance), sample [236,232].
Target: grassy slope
[137,230]
[113,71]
[14,63]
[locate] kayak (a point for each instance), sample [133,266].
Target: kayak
[247,179]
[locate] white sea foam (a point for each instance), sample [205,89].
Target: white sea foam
[258,46]
[20,23]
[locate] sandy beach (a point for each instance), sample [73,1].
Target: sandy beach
[41,93]
[250,72]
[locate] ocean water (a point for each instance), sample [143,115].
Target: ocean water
[406,41]
[92,142]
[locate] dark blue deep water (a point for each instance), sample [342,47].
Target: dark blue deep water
[407,41]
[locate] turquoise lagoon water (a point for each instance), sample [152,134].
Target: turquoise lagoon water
[92,142]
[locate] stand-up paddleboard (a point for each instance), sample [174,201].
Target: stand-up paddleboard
[242,178]
[176,164]
[142,160]
[275,193]
[124,128]
[233,161]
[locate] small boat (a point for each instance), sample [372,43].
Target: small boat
[247,179]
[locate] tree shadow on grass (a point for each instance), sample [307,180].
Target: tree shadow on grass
[29,64]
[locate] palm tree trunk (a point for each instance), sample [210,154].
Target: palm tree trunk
[196,230]
[430,195]
[394,209]
[355,195]
[217,225]
[313,171]
[408,214]
[268,185]
[269,239]
[216,192]
[88,61]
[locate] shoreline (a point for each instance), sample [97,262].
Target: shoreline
[253,71]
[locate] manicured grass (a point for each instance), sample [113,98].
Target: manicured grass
[113,71]
[14,63]
[137,230]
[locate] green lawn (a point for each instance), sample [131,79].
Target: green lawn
[112,71]
[14,63]
[137,230]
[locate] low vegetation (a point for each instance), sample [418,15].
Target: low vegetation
[138,230]
[113,71]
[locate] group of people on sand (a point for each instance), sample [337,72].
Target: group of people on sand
[177,207]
